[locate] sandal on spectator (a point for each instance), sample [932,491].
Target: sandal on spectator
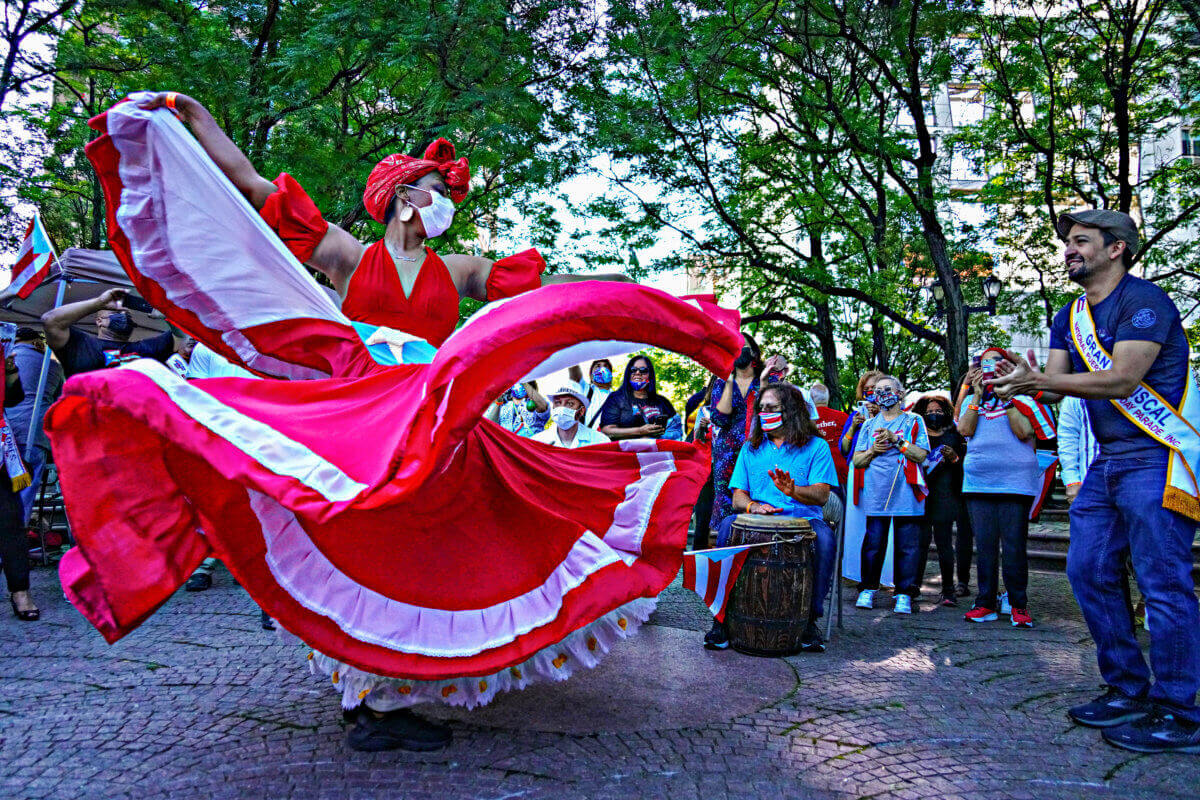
[25,615]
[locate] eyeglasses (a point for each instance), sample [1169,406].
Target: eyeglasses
[639,371]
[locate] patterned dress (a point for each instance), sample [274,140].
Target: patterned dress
[729,434]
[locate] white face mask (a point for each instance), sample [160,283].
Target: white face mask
[437,216]
[564,417]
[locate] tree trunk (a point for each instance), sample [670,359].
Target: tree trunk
[955,348]
[829,357]
[879,353]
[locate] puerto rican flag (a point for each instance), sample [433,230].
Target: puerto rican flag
[712,573]
[33,260]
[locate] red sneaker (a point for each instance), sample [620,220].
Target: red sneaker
[981,614]
[1021,618]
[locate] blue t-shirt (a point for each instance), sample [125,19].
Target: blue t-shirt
[885,490]
[1137,310]
[807,465]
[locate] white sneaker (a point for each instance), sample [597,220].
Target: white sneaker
[1005,606]
[903,604]
[866,599]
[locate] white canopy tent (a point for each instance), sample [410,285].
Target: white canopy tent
[76,275]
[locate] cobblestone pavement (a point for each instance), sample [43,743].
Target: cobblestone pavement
[201,703]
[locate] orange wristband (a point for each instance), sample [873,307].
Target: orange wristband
[1038,395]
[973,407]
[171,100]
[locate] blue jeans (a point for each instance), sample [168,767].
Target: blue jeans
[908,561]
[1119,512]
[826,554]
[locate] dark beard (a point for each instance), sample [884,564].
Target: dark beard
[1082,274]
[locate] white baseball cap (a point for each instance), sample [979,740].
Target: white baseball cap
[572,389]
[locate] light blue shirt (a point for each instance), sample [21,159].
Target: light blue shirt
[1077,446]
[886,492]
[807,465]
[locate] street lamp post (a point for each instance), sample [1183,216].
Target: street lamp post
[991,286]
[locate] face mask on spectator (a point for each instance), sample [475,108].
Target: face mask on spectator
[770,420]
[639,384]
[120,324]
[869,397]
[744,359]
[886,399]
[937,419]
[564,417]
[602,375]
[518,391]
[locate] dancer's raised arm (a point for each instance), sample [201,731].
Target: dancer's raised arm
[337,254]
[217,144]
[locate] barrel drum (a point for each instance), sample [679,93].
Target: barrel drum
[769,605]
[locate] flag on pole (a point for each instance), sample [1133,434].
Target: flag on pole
[33,260]
[712,573]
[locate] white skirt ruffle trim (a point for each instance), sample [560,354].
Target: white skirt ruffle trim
[581,649]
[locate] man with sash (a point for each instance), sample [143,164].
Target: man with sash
[1121,348]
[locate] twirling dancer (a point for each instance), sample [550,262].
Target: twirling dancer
[422,552]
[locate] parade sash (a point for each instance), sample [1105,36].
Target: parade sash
[1153,415]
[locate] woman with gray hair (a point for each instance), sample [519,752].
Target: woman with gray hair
[891,447]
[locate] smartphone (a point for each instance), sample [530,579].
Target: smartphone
[135,303]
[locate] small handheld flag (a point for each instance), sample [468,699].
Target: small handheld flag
[712,573]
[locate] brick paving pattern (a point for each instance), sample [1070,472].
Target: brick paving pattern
[201,703]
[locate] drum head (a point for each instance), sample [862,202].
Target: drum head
[778,522]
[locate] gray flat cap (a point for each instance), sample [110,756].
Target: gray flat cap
[1117,223]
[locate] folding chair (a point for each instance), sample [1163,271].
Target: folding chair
[834,599]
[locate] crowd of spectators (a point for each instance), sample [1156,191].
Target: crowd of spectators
[775,449]
[962,478]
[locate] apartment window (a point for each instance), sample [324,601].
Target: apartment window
[1190,142]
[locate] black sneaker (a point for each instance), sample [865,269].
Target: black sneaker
[268,624]
[1111,708]
[1158,732]
[717,638]
[198,582]
[811,641]
[395,730]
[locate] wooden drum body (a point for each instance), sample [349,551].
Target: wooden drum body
[770,603]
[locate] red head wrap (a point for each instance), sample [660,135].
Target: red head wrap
[398,170]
